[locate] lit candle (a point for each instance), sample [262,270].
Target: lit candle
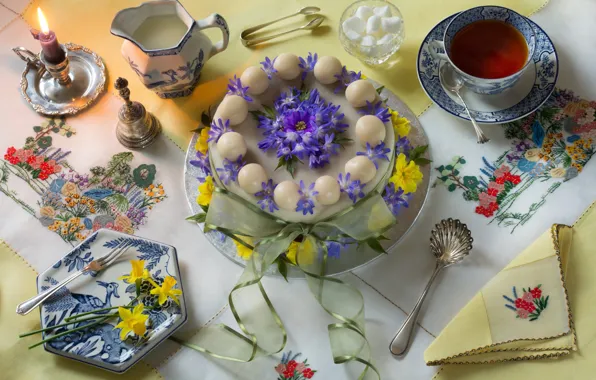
[50,47]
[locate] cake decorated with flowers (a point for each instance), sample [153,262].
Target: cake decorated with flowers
[303,139]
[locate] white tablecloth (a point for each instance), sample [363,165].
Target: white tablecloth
[390,285]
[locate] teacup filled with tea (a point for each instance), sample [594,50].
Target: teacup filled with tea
[489,46]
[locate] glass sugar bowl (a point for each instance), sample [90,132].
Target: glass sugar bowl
[371,30]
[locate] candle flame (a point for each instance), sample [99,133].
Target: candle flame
[43,22]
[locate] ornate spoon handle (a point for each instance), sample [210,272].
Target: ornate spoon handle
[400,343]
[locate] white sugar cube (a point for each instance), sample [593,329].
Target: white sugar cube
[353,36]
[385,39]
[382,11]
[367,45]
[391,24]
[354,24]
[364,12]
[373,25]
[384,45]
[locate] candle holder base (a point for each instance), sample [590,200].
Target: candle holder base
[65,88]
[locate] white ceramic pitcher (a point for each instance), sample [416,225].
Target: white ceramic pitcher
[165,47]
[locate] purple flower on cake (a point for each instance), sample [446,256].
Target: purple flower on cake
[307,65]
[345,78]
[376,109]
[333,249]
[202,162]
[230,170]
[268,67]
[266,195]
[352,188]
[395,199]
[329,146]
[235,88]
[286,100]
[402,145]
[217,129]
[375,154]
[306,203]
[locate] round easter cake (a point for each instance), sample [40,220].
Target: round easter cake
[302,138]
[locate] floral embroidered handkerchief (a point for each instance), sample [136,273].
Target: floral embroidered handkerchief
[523,313]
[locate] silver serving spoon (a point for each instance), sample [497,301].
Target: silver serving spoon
[247,41]
[450,242]
[453,82]
[312,24]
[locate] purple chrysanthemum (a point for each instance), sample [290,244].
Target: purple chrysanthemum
[306,203]
[307,65]
[354,189]
[266,195]
[230,170]
[202,162]
[395,199]
[235,88]
[217,129]
[268,67]
[376,109]
[402,145]
[345,78]
[375,154]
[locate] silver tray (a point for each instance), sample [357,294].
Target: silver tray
[352,257]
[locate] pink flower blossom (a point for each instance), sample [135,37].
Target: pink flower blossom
[23,154]
[300,367]
[281,368]
[35,161]
[497,186]
[502,170]
[485,200]
[523,313]
[527,297]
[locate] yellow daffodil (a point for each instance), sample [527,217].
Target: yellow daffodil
[132,321]
[166,290]
[138,272]
[401,125]
[206,191]
[202,145]
[363,76]
[307,254]
[406,175]
[242,250]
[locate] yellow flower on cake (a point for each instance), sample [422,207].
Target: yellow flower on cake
[166,290]
[138,272]
[242,250]
[401,125]
[307,253]
[132,321]
[202,145]
[206,190]
[406,175]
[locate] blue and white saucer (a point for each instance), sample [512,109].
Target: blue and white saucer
[100,345]
[533,89]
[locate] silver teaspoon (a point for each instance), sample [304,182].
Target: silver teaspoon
[453,82]
[450,242]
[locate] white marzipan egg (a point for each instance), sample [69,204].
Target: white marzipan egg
[255,79]
[233,108]
[361,168]
[250,178]
[328,189]
[326,69]
[359,92]
[231,145]
[286,65]
[286,195]
[370,129]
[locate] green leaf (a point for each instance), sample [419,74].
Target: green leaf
[119,201]
[422,161]
[380,89]
[375,245]
[37,128]
[198,218]
[204,208]
[452,187]
[382,237]
[470,182]
[418,152]
[440,168]
[138,286]
[304,95]
[198,129]
[449,167]
[455,172]
[55,130]
[282,267]
[206,229]
[461,160]
[205,119]
[269,112]
[68,134]
[45,142]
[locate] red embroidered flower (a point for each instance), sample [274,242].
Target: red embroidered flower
[515,179]
[492,192]
[493,206]
[500,180]
[529,307]
[288,374]
[308,373]
[519,303]
[536,292]
[291,366]
[43,176]
[10,152]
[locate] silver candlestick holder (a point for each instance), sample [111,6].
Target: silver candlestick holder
[62,88]
[136,128]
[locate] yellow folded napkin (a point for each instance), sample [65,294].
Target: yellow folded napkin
[523,313]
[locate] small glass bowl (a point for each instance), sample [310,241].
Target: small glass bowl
[373,55]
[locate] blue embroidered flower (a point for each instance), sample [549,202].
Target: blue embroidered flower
[266,195]
[352,188]
[306,203]
[307,65]
[230,170]
[235,88]
[375,154]
[217,129]
[268,67]
[345,78]
[377,109]
[395,199]
[202,162]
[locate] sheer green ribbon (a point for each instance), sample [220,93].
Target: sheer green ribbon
[262,328]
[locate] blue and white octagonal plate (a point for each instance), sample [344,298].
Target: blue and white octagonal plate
[100,345]
[526,96]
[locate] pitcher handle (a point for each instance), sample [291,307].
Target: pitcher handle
[216,21]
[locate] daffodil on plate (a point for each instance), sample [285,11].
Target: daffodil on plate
[112,318]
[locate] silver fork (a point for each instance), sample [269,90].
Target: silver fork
[95,266]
